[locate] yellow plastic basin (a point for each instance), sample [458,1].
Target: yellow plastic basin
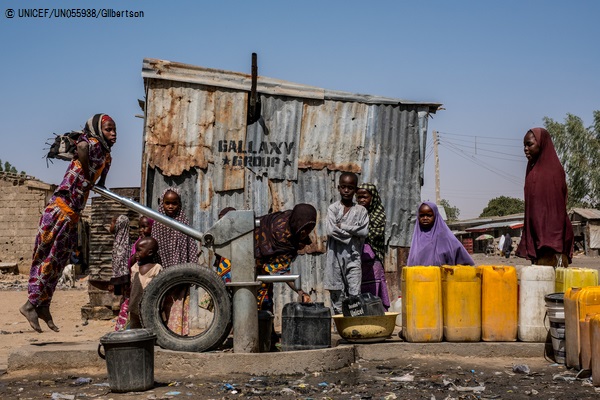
[366,329]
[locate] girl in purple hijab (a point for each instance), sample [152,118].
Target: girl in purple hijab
[433,243]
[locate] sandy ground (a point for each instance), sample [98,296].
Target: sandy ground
[66,310]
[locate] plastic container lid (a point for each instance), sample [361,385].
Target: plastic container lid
[128,336]
[555,297]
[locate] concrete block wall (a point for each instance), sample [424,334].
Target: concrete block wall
[22,201]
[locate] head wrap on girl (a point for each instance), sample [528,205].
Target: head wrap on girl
[546,221]
[278,232]
[93,128]
[376,237]
[436,245]
[173,246]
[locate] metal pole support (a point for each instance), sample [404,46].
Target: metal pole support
[244,284]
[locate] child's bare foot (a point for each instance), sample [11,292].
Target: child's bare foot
[44,313]
[29,312]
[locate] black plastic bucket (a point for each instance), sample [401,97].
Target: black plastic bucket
[305,326]
[129,356]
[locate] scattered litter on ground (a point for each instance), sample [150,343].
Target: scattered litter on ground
[60,396]
[521,369]
[564,376]
[403,378]
[82,381]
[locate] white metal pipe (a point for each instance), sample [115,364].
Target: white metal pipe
[148,212]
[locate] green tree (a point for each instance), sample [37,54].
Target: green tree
[503,205]
[578,148]
[8,167]
[452,213]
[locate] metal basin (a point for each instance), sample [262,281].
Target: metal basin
[366,329]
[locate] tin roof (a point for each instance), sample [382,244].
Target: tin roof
[180,72]
[587,213]
[494,225]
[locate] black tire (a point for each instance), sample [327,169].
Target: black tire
[192,274]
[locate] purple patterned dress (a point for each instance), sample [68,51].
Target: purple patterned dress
[57,232]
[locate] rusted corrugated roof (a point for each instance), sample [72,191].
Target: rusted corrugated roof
[179,72]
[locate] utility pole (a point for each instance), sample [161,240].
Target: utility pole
[437,168]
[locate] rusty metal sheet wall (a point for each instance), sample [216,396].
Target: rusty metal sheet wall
[272,142]
[333,135]
[189,125]
[392,162]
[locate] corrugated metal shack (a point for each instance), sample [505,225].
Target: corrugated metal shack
[196,136]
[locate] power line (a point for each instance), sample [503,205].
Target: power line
[486,137]
[429,153]
[510,178]
[476,142]
[483,149]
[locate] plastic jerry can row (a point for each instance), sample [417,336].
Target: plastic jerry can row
[469,304]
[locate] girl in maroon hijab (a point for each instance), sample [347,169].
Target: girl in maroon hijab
[547,237]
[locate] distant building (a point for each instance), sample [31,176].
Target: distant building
[586,227]
[473,233]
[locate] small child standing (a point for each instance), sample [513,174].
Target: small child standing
[142,272]
[145,225]
[347,227]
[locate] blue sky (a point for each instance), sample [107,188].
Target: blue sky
[498,67]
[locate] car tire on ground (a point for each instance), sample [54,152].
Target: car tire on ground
[192,274]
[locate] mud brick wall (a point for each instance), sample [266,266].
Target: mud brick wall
[22,201]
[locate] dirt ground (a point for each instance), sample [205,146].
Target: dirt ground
[421,377]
